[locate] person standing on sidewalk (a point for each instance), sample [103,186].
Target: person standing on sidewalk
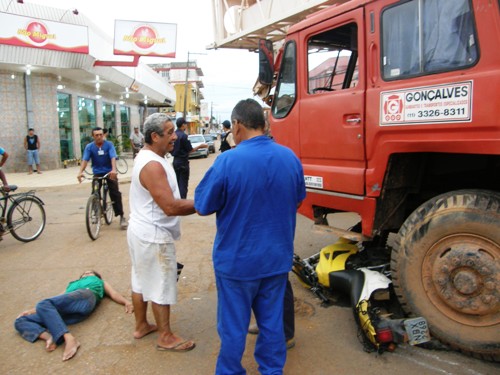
[103,156]
[181,151]
[255,191]
[155,207]
[32,146]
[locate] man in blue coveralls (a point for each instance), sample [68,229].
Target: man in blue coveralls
[103,156]
[255,190]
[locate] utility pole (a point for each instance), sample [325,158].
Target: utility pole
[184,113]
[211,114]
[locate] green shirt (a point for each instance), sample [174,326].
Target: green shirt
[95,284]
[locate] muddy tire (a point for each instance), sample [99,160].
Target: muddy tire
[445,267]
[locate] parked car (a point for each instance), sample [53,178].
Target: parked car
[209,140]
[196,140]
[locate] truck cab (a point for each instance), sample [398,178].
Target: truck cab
[393,108]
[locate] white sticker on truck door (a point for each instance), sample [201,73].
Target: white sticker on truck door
[314,182]
[428,104]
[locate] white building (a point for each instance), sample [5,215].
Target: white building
[60,90]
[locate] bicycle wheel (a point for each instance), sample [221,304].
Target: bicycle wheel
[93,216]
[107,207]
[26,219]
[121,165]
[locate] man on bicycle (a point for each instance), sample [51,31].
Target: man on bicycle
[103,156]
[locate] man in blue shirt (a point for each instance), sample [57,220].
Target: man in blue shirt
[103,156]
[255,191]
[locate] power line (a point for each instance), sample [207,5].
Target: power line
[227,87]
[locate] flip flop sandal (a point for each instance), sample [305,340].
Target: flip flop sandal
[176,348]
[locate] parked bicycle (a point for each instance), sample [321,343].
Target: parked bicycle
[121,166]
[23,214]
[98,206]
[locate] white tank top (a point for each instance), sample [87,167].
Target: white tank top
[147,220]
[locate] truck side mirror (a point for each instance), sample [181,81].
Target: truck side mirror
[266,62]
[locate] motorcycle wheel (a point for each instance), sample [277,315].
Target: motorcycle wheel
[445,267]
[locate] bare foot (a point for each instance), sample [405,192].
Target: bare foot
[50,345]
[70,348]
[144,331]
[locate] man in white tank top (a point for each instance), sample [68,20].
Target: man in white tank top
[154,225]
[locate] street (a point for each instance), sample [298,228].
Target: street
[326,338]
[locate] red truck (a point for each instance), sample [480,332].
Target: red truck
[394,110]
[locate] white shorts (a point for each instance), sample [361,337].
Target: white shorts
[154,270]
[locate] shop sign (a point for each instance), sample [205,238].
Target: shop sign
[145,38]
[23,31]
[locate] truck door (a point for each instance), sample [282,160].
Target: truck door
[332,86]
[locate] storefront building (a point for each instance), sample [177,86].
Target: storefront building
[60,91]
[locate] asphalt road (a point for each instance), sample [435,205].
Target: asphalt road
[326,338]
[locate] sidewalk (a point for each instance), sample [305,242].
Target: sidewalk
[56,177]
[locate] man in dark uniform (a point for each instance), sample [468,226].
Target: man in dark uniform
[182,149]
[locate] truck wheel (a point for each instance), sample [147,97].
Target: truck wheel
[445,267]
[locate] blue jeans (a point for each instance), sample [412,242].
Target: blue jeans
[236,300]
[33,157]
[55,313]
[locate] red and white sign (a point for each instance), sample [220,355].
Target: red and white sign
[145,38]
[37,33]
[430,104]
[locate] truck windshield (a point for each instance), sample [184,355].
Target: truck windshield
[286,88]
[427,36]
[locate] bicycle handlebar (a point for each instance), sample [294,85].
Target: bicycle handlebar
[92,177]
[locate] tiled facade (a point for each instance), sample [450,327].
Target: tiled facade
[16,117]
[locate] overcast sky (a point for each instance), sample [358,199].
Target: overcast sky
[229,74]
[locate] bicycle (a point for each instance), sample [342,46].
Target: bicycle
[24,218]
[122,143]
[121,166]
[98,206]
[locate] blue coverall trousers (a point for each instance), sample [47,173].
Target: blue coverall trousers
[236,300]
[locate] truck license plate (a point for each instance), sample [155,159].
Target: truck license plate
[418,330]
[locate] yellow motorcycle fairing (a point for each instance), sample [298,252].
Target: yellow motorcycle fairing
[365,322]
[333,258]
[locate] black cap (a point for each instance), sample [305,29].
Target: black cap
[226,124]
[180,121]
